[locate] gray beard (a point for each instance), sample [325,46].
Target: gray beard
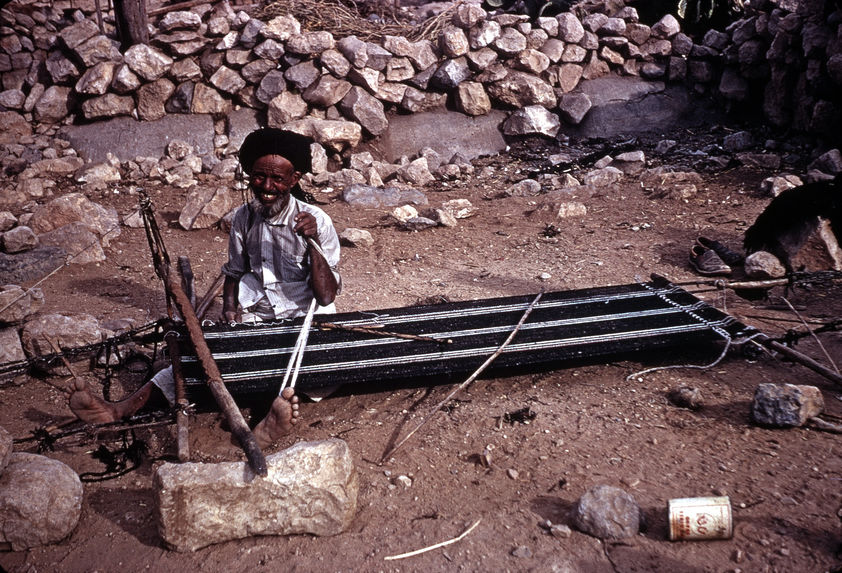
[270,211]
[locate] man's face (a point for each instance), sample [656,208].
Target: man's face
[272,176]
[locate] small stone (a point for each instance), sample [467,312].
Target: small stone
[459,208]
[512,473]
[607,512]
[404,213]
[763,265]
[419,223]
[403,481]
[686,397]
[786,405]
[560,530]
[522,551]
[352,237]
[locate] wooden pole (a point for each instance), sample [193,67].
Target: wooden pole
[238,425]
[181,418]
[132,22]
[802,359]
[188,282]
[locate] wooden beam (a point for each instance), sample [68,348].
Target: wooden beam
[226,403]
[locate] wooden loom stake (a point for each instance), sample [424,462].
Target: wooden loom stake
[239,428]
[470,379]
[181,419]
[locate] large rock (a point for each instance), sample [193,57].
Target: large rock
[65,330]
[446,132]
[607,512]
[75,207]
[311,488]
[326,91]
[53,105]
[97,49]
[627,105]
[472,99]
[205,206]
[359,195]
[127,139]
[207,100]
[19,239]
[17,303]
[6,448]
[14,127]
[96,80]
[40,501]
[77,239]
[352,237]
[416,172]
[763,265]
[152,97]
[532,120]
[148,62]
[107,106]
[30,266]
[786,405]
[519,89]
[335,134]
[574,107]
[365,109]
[10,347]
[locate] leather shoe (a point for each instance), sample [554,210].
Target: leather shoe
[707,262]
[729,257]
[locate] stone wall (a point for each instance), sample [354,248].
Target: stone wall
[781,62]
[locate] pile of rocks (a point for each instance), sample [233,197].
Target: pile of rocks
[784,56]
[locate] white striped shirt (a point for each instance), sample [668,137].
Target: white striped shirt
[271,260]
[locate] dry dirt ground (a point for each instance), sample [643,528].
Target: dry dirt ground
[593,426]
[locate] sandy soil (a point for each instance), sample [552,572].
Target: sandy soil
[592,425]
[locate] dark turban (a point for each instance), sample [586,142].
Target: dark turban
[271,141]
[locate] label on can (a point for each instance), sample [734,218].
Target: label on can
[700,518]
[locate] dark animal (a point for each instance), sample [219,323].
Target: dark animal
[788,221]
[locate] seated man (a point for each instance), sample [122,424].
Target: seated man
[282,253]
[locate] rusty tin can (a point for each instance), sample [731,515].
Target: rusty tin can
[700,518]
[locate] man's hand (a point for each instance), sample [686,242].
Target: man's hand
[230,316]
[306,226]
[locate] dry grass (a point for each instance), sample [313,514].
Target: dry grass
[343,19]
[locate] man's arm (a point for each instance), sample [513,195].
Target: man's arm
[230,292]
[322,280]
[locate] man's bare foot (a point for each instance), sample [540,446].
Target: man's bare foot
[281,419]
[86,406]
[94,410]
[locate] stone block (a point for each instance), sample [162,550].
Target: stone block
[311,488]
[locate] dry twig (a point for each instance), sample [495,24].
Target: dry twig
[470,379]
[436,546]
[824,425]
